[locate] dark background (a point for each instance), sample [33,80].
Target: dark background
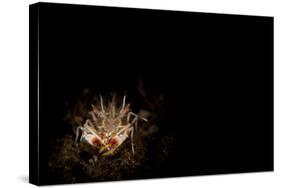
[215,71]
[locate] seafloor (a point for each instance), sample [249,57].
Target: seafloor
[72,162]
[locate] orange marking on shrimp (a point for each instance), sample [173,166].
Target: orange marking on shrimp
[96,141]
[113,141]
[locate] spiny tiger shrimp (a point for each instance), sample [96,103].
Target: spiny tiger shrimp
[109,126]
